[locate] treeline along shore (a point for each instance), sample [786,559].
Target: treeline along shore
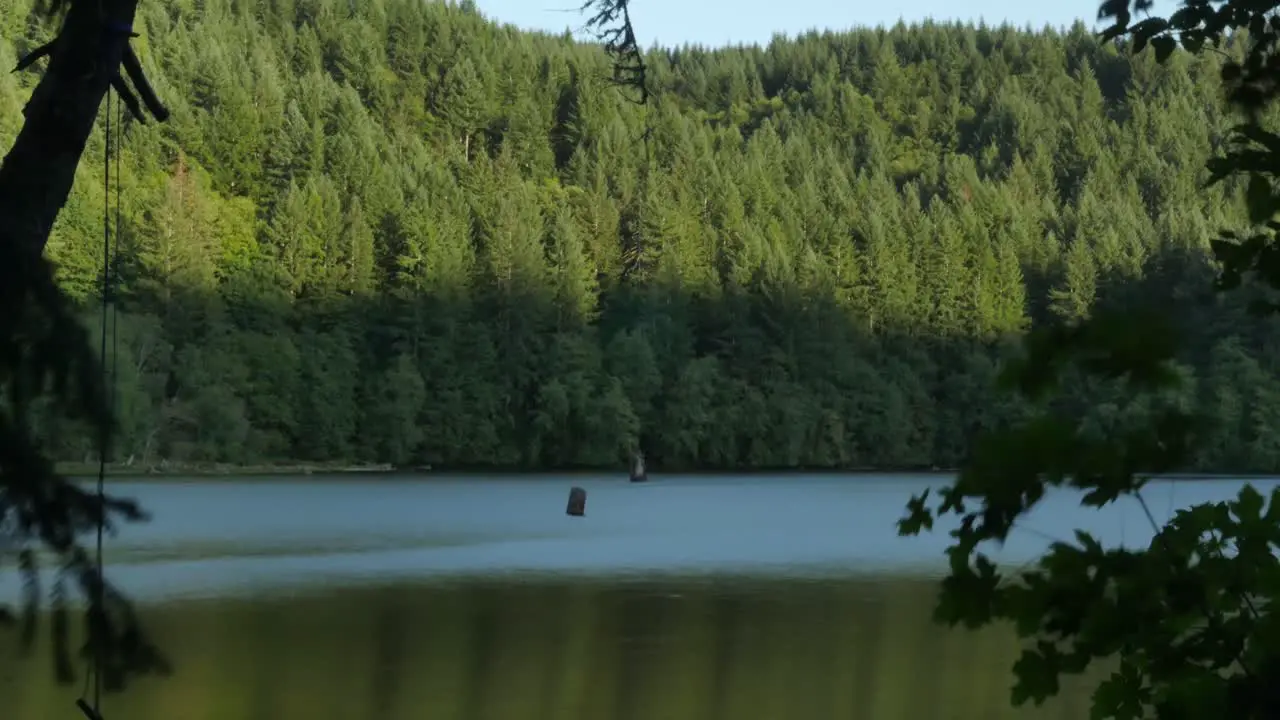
[396,233]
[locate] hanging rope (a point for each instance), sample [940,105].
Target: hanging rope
[113,388]
[115,32]
[91,706]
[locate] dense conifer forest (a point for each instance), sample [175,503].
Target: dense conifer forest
[394,231]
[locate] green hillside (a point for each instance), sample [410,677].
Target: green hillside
[393,231]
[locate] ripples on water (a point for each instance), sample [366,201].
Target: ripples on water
[684,598]
[228,537]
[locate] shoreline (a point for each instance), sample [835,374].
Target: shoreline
[317,471]
[162,471]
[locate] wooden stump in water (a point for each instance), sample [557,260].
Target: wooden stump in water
[577,502]
[638,473]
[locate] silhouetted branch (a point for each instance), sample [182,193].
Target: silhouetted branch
[611,23]
[43,347]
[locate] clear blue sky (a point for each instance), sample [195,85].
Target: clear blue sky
[722,22]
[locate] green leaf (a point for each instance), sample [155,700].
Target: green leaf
[918,516]
[1088,542]
[1259,199]
[1164,46]
[1247,507]
[1037,674]
[1121,696]
[1149,28]
[1272,516]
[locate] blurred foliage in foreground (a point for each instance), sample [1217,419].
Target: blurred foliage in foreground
[1191,618]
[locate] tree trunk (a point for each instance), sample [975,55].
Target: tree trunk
[39,170]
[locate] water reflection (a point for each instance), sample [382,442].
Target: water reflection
[482,600]
[554,650]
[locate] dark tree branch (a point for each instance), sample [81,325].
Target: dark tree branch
[134,70]
[37,174]
[42,346]
[611,22]
[127,97]
[33,56]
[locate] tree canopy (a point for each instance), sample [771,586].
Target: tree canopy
[402,233]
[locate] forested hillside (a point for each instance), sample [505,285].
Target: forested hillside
[393,231]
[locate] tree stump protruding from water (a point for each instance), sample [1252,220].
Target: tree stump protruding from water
[638,472]
[577,502]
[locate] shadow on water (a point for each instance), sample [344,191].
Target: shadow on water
[551,650]
[480,600]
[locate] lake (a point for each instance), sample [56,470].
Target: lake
[480,599]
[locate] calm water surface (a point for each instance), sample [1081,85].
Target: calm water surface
[787,597]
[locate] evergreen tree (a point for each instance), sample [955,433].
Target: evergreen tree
[813,258]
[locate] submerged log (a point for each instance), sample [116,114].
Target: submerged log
[577,502]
